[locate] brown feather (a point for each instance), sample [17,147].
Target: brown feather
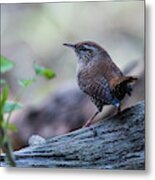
[122,85]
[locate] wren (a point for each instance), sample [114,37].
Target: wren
[99,77]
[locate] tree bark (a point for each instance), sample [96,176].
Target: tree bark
[117,142]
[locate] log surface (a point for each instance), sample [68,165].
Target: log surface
[114,143]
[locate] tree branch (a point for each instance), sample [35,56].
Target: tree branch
[115,143]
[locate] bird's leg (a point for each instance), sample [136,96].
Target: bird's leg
[88,123]
[119,109]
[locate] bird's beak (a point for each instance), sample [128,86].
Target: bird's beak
[69,45]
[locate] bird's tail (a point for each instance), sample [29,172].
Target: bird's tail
[122,85]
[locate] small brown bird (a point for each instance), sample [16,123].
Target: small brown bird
[99,77]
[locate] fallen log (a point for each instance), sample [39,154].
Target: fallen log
[117,142]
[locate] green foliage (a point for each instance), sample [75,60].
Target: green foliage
[42,71]
[4,97]
[6,64]
[12,127]
[26,82]
[4,126]
[3,100]
[7,107]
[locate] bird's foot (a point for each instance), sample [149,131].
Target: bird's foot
[118,110]
[87,124]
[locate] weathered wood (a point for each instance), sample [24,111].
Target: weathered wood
[115,143]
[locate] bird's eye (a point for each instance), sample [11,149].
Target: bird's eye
[83,48]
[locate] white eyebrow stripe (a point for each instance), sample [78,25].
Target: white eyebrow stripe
[89,47]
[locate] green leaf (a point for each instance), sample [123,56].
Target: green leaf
[11,106]
[4,97]
[25,82]
[42,71]
[6,64]
[12,127]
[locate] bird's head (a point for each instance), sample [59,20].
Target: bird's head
[86,51]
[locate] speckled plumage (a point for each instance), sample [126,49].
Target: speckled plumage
[99,77]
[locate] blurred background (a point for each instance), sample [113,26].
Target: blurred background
[36,32]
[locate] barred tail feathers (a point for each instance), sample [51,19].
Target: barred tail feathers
[122,85]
